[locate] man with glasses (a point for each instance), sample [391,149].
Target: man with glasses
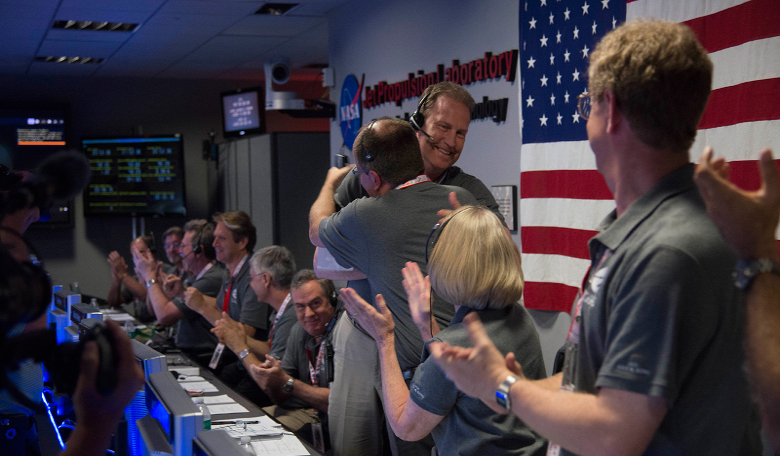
[441,122]
[298,382]
[654,356]
[172,241]
[377,236]
[166,300]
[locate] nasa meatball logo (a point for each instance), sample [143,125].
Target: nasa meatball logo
[350,110]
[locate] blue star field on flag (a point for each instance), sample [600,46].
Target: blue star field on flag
[556,38]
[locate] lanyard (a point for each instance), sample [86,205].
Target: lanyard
[226,301]
[204,270]
[417,180]
[278,316]
[314,370]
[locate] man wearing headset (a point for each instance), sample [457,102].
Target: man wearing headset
[377,236]
[441,122]
[166,300]
[299,381]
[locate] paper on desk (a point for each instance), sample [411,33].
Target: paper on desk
[221,399]
[120,317]
[190,378]
[286,445]
[223,409]
[264,427]
[185,370]
[205,387]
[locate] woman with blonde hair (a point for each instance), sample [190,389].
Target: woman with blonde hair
[474,265]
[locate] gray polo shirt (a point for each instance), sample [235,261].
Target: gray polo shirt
[296,359]
[194,331]
[377,236]
[351,189]
[243,306]
[469,426]
[661,317]
[282,330]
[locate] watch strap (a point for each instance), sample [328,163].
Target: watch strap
[244,353]
[502,393]
[746,271]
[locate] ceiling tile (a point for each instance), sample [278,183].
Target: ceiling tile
[273,25]
[187,24]
[221,8]
[117,5]
[73,69]
[18,48]
[78,48]
[85,35]
[234,49]
[26,29]
[101,14]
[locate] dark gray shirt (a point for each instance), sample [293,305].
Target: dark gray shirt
[351,189]
[296,359]
[243,305]
[281,330]
[194,331]
[661,317]
[377,236]
[470,427]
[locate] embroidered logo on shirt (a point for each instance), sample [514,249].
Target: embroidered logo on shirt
[636,365]
[416,391]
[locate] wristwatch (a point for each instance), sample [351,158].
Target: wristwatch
[150,282]
[288,386]
[747,271]
[244,353]
[502,393]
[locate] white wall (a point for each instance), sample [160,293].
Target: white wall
[387,40]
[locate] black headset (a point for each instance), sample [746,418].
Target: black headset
[417,120]
[197,244]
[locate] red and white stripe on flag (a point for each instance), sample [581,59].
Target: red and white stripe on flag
[563,198]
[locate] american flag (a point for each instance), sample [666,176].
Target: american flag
[563,197]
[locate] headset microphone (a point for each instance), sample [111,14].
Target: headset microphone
[417,119]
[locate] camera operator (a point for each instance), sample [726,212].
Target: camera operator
[97,414]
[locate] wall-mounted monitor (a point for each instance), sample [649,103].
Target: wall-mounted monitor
[243,112]
[28,135]
[135,176]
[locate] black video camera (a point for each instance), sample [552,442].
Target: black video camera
[62,361]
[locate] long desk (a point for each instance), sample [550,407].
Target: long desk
[180,359]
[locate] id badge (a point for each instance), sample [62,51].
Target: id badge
[216,356]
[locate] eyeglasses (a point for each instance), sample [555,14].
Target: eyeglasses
[583,105]
[172,244]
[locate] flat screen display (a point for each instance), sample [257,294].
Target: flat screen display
[135,176]
[28,135]
[243,113]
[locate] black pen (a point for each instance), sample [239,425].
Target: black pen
[216,423]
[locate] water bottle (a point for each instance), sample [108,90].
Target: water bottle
[206,414]
[247,446]
[129,329]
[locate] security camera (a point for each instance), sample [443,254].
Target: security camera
[278,70]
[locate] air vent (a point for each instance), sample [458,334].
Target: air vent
[63,59]
[276,9]
[95,26]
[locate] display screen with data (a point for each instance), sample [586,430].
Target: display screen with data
[135,176]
